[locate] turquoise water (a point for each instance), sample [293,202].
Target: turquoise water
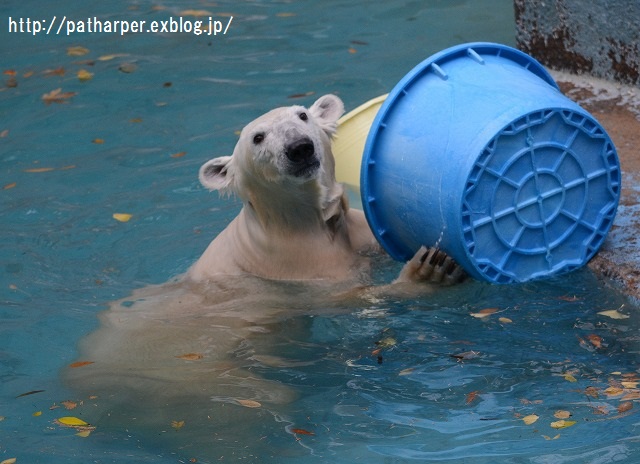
[445,385]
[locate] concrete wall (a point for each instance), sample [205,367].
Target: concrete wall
[599,37]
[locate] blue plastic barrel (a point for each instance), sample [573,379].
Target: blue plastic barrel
[477,151]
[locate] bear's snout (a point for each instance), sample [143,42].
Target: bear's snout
[300,151]
[302,157]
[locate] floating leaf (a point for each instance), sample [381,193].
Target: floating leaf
[631,385]
[505,320]
[122,217]
[70,421]
[301,95]
[69,405]
[38,170]
[179,154]
[530,419]
[196,13]
[466,355]
[84,433]
[633,395]
[302,432]
[9,461]
[406,371]
[57,96]
[249,403]
[9,186]
[77,51]
[4,133]
[614,391]
[32,392]
[387,342]
[285,15]
[485,313]
[98,141]
[80,364]
[624,407]
[135,120]
[570,378]
[54,72]
[111,57]
[591,392]
[37,414]
[562,424]
[614,314]
[562,414]
[190,356]
[84,75]
[177,424]
[549,438]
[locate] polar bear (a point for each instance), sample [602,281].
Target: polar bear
[190,349]
[295,223]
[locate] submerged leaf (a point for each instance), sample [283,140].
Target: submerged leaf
[614,314]
[471,397]
[77,364]
[249,403]
[190,356]
[562,414]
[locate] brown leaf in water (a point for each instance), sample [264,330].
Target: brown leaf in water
[624,407]
[302,432]
[471,397]
[301,95]
[595,340]
[177,424]
[249,403]
[190,356]
[68,404]
[485,313]
[9,186]
[38,170]
[80,364]
[54,72]
[562,414]
[57,96]
[179,154]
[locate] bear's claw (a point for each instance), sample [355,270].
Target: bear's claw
[432,265]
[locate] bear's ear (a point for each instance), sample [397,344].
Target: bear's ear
[327,110]
[215,174]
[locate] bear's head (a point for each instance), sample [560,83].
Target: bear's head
[282,155]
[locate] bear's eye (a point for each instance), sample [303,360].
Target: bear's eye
[303,116]
[258,138]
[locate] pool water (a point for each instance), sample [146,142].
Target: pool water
[456,377]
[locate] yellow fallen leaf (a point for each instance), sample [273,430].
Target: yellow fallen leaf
[614,314]
[249,403]
[505,320]
[70,421]
[177,424]
[549,438]
[111,57]
[9,461]
[84,75]
[37,414]
[530,419]
[77,51]
[122,217]
[562,424]
[626,384]
[614,391]
[570,378]
[562,414]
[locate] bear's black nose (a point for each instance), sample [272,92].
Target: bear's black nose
[300,151]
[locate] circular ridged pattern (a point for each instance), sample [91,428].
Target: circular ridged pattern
[549,208]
